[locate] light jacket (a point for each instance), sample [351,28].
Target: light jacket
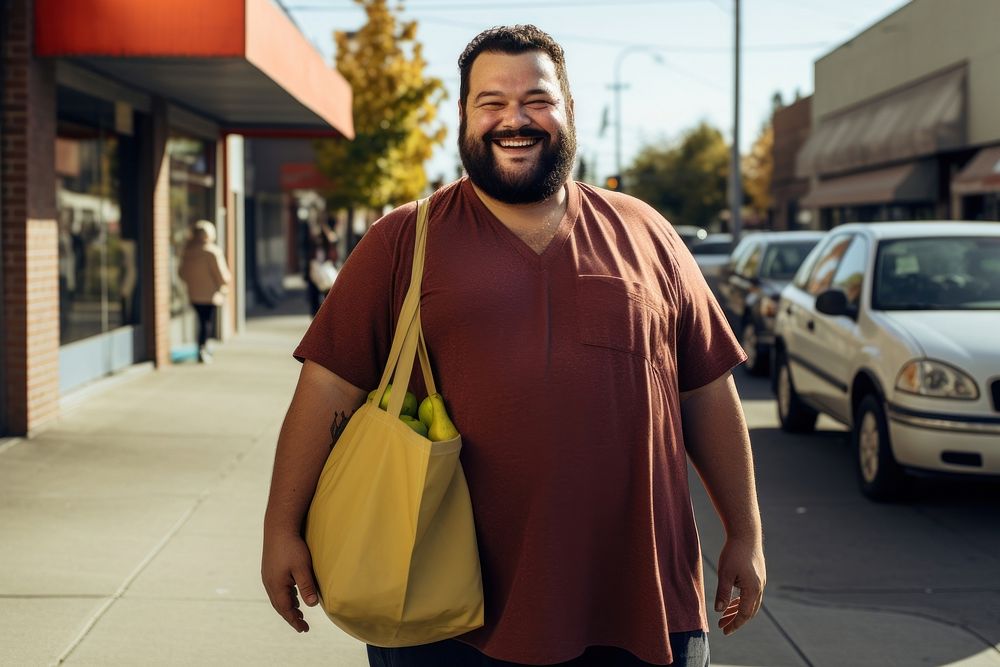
[204,270]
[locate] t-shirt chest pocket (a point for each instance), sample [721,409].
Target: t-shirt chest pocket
[621,315]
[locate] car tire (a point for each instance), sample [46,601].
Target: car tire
[757,357]
[880,476]
[794,415]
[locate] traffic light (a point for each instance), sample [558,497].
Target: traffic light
[614,183]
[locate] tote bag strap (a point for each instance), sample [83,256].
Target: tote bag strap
[408,341]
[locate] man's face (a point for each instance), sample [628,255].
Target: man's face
[516,137]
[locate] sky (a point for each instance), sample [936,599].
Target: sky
[674,56]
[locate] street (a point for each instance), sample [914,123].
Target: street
[918,578]
[132,536]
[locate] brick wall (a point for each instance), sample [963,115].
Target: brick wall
[30,234]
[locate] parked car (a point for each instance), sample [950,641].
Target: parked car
[712,252]
[690,234]
[750,284]
[892,329]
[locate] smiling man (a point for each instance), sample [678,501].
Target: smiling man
[584,360]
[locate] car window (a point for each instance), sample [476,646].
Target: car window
[752,263]
[851,271]
[782,260]
[801,279]
[822,273]
[740,254]
[956,273]
[711,248]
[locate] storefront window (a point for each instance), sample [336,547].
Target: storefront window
[192,198]
[98,229]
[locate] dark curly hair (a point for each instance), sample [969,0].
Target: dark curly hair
[514,40]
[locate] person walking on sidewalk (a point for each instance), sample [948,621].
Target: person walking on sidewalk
[584,359]
[204,271]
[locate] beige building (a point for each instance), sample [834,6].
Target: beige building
[906,118]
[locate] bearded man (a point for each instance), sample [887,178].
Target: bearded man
[584,360]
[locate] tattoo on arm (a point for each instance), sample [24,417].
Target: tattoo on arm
[337,427]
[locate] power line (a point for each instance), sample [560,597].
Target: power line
[618,43]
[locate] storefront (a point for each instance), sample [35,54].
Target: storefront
[123,127]
[976,188]
[903,118]
[99,232]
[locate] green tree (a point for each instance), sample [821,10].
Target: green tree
[685,180]
[395,114]
[758,171]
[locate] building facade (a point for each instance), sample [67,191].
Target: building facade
[791,125]
[904,118]
[123,124]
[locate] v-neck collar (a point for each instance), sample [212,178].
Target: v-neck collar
[541,260]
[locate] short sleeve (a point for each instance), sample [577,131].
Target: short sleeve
[350,335]
[706,346]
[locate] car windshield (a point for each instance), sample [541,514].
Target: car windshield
[959,273]
[782,260]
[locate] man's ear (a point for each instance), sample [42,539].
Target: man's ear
[570,109]
[461,110]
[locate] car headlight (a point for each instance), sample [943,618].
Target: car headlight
[768,306]
[934,378]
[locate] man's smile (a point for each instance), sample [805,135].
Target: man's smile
[517,142]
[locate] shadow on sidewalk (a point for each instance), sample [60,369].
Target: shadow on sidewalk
[293,301]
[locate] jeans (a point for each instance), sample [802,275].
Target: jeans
[690,649]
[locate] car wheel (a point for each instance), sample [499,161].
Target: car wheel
[795,416]
[756,363]
[881,478]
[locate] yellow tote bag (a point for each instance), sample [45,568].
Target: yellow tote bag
[390,527]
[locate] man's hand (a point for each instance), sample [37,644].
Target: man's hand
[285,567]
[716,437]
[741,566]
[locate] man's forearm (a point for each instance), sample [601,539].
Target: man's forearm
[320,408]
[716,438]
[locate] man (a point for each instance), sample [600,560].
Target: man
[581,355]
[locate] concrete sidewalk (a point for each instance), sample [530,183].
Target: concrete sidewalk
[131,529]
[131,536]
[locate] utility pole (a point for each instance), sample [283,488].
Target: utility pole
[735,181]
[618,86]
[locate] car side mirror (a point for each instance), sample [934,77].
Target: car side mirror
[833,302]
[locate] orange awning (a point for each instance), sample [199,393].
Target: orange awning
[242,63]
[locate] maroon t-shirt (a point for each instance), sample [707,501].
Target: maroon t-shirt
[562,372]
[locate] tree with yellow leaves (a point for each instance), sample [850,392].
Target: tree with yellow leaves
[758,169]
[395,114]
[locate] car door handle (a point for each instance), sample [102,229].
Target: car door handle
[811,325]
[788,310]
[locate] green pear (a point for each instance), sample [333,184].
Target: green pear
[426,411]
[409,401]
[415,424]
[441,427]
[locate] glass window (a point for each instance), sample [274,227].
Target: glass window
[958,273]
[711,248]
[826,263]
[752,264]
[192,198]
[98,219]
[740,252]
[851,271]
[782,260]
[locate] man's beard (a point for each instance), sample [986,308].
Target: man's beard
[549,173]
